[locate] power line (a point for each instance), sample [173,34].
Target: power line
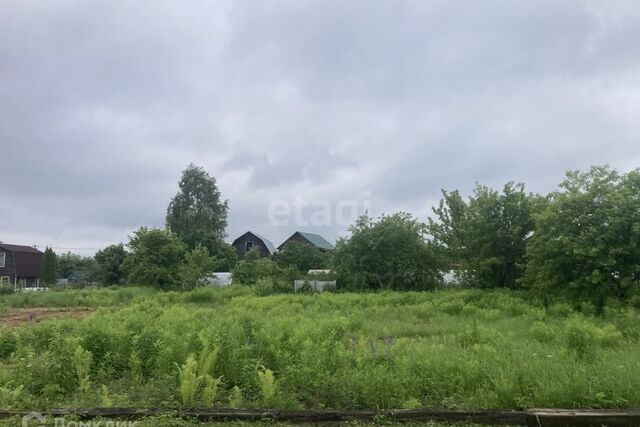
[67,249]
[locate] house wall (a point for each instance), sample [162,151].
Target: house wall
[22,268]
[240,245]
[9,266]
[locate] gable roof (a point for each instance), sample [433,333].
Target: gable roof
[20,248]
[267,243]
[315,239]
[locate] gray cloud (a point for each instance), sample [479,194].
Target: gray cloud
[103,103]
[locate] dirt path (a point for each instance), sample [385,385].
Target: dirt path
[21,316]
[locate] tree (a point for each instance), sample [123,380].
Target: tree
[68,262]
[303,256]
[49,267]
[253,267]
[586,243]
[197,267]
[485,239]
[154,259]
[226,256]
[110,262]
[390,253]
[197,214]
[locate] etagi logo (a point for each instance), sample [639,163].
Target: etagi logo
[61,422]
[302,212]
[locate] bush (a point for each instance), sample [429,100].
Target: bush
[542,332]
[580,336]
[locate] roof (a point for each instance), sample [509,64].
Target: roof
[270,246]
[19,248]
[315,239]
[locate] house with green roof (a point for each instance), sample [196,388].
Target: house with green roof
[310,238]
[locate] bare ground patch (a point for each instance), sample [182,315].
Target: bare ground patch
[22,316]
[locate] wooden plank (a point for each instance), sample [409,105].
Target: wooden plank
[583,417]
[534,417]
[498,417]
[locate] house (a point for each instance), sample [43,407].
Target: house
[313,239]
[250,240]
[20,266]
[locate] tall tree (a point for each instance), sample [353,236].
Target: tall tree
[49,266]
[388,253]
[110,262]
[197,214]
[587,239]
[484,239]
[154,259]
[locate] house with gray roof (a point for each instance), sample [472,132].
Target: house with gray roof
[310,238]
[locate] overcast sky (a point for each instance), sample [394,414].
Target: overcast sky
[383,103]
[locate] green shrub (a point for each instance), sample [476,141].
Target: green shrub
[542,332]
[560,310]
[8,342]
[580,336]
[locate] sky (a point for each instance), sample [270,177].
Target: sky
[307,113]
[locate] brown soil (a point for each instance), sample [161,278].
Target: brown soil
[22,316]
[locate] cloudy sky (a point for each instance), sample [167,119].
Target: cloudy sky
[306,103]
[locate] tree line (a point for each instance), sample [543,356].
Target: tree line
[581,241]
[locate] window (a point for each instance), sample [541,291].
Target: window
[3,255]
[248,245]
[4,280]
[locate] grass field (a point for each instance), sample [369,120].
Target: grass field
[232,347]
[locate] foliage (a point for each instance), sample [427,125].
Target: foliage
[461,349]
[110,262]
[68,262]
[268,388]
[227,257]
[49,267]
[195,375]
[303,256]
[253,268]
[587,240]
[155,258]
[198,265]
[484,239]
[387,253]
[197,214]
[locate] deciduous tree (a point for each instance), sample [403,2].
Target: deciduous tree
[197,214]
[155,258]
[388,253]
[303,256]
[110,262]
[586,243]
[484,239]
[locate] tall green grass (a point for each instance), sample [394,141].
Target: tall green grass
[229,347]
